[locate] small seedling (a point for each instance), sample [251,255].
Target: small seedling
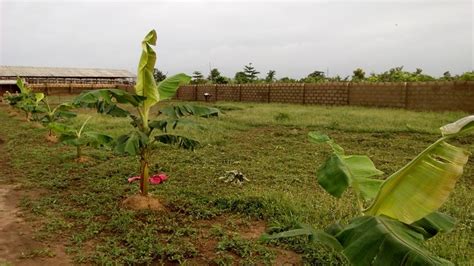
[79,138]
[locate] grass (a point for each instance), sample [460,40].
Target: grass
[267,142]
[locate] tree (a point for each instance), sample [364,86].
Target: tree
[270,76]
[314,77]
[222,80]
[287,80]
[316,74]
[216,78]
[158,75]
[250,72]
[447,76]
[358,74]
[198,78]
[240,77]
[213,75]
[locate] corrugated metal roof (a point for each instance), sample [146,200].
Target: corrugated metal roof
[22,71]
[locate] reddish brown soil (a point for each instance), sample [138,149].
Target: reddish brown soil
[82,159]
[51,138]
[17,243]
[139,202]
[252,230]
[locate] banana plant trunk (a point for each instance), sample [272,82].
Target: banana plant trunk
[79,152]
[145,172]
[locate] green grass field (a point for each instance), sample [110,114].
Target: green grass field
[210,221]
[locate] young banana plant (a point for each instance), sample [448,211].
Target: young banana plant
[140,141]
[28,101]
[403,208]
[56,114]
[79,137]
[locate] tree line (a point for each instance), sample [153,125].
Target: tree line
[250,75]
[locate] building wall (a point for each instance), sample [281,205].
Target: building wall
[64,88]
[431,96]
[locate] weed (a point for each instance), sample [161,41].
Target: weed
[282,117]
[245,249]
[38,253]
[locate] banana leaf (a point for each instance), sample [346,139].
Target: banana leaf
[315,236]
[168,87]
[178,140]
[105,101]
[434,223]
[131,143]
[178,111]
[424,184]
[381,240]
[146,84]
[342,171]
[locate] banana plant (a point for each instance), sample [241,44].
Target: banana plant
[142,139]
[79,137]
[56,114]
[12,99]
[402,210]
[27,100]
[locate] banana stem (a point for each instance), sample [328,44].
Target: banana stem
[145,172]
[79,152]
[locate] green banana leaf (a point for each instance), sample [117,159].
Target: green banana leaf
[381,240]
[22,86]
[168,87]
[105,101]
[38,97]
[434,223]
[87,138]
[62,128]
[165,123]
[316,236]
[178,140]
[146,84]
[131,143]
[342,171]
[97,139]
[181,110]
[317,137]
[424,184]
[176,113]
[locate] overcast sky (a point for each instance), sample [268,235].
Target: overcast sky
[292,37]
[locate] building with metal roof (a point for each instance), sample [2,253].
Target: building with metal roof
[43,77]
[60,72]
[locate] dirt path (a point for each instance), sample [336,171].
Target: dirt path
[17,243]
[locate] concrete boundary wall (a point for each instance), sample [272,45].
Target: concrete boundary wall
[430,96]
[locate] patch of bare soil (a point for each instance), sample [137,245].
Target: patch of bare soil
[254,231]
[287,257]
[17,243]
[139,202]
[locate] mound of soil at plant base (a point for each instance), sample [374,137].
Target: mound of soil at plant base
[51,138]
[139,202]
